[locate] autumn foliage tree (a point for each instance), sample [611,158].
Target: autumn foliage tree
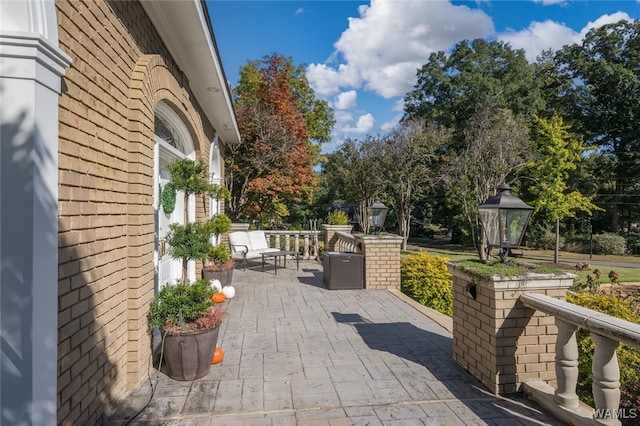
[282,125]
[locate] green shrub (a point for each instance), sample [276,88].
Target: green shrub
[609,243]
[628,356]
[546,241]
[633,242]
[425,279]
[337,217]
[178,304]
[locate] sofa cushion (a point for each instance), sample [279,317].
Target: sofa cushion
[257,240]
[239,241]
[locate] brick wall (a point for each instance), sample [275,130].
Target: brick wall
[120,71]
[381,261]
[496,338]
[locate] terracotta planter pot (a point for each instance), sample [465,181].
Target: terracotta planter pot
[225,276]
[187,356]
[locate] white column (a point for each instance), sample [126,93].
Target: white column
[31,66]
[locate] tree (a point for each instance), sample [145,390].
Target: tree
[282,124]
[409,165]
[193,239]
[605,100]
[497,146]
[450,90]
[353,173]
[557,154]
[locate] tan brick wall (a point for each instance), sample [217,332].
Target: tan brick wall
[381,261]
[120,71]
[496,338]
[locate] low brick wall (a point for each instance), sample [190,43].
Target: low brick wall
[381,261]
[495,337]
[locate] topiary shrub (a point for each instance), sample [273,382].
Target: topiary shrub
[425,279]
[628,356]
[609,243]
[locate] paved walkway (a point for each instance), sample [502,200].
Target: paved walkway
[298,354]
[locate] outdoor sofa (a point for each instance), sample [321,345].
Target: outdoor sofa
[247,245]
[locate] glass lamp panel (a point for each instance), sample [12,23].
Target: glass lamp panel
[490,223]
[377,217]
[515,223]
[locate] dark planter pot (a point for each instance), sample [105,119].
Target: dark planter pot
[187,356]
[223,275]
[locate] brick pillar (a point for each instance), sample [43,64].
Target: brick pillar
[330,237]
[239,227]
[381,260]
[495,337]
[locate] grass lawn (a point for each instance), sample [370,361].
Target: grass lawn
[569,260]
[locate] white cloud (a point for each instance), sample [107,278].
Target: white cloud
[365,124]
[603,20]
[347,126]
[326,81]
[546,35]
[398,105]
[540,36]
[391,124]
[390,40]
[346,100]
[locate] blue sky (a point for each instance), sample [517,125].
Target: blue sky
[362,56]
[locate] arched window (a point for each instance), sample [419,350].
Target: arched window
[170,129]
[167,133]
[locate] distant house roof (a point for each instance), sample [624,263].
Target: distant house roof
[185,28]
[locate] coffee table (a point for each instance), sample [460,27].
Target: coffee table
[281,254]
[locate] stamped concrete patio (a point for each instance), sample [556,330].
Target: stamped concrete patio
[299,354]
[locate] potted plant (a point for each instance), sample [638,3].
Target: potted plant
[187,317]
[336,221]
[337,217]
[189,322]
[218,264]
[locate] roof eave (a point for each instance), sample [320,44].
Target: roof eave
[185,29]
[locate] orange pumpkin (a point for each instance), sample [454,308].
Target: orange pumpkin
[218,297]
[217,355]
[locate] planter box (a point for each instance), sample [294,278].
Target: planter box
[188,355]
[225,276]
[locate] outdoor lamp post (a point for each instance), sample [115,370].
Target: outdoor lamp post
[377,215]
[504,218]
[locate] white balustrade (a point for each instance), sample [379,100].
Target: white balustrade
[606,333]
[291,240]
[346,242]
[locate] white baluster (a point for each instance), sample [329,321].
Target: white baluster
[566,365]
[606,380]
[305,254]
